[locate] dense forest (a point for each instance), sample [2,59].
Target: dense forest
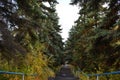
[94,40]
[30,39]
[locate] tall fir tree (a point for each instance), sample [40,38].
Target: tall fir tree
[26,26]
[92,41]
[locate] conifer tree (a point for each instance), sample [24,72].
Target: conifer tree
[92,41]
[26,25]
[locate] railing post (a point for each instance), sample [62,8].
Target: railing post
[88,77]
[97,77]
[23,77]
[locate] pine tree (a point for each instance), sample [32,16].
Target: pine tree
[91,40]
[26,25]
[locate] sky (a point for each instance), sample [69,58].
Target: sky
[67,15]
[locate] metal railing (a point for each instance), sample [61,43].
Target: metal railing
[88,75]
[15,73]
[102,74]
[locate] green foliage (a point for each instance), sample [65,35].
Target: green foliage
[93,42]
[3,78]
[26,26]
[35,63]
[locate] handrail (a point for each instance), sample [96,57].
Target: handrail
[103,74]
[17,73]
[108,73]
[6,72]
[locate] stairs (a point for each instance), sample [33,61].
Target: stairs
[65,73]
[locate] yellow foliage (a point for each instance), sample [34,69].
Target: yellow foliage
[37,64]
[118,42]
[116,27]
